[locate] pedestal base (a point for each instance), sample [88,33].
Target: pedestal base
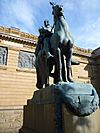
[41,116]
[39,113]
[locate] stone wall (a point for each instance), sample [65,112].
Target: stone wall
[11,119]
[17,70]
[16,81]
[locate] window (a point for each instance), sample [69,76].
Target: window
[26,59]
[3,55]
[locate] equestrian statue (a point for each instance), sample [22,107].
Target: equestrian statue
[53,44]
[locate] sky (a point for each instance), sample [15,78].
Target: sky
[82,16]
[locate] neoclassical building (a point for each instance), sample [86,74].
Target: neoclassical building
[18,74]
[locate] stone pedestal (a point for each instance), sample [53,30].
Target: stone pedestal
[40,116]
[75,124]
[39,113]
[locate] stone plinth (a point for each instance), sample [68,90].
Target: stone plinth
[40,116]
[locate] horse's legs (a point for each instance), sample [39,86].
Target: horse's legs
[63,68]
[39,84]
[68,64]
[58,65]
[47,82]
[47,74]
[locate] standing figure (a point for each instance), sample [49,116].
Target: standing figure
[43,56]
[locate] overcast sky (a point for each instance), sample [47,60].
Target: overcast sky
[82,16]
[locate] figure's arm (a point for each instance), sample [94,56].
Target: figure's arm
[38,48]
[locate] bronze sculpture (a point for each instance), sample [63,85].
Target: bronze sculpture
[61,41]
[52,47]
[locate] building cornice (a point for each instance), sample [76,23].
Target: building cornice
[81,51]
[15,35]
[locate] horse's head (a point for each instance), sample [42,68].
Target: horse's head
[57,10]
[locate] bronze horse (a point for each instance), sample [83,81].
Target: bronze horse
[61,43]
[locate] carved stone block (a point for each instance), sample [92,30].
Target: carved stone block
[3,55]
[26,59]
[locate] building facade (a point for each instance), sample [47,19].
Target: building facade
[18,74]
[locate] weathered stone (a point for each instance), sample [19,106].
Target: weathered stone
[26,59]
[10,120]
[3,55]
[81,99]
